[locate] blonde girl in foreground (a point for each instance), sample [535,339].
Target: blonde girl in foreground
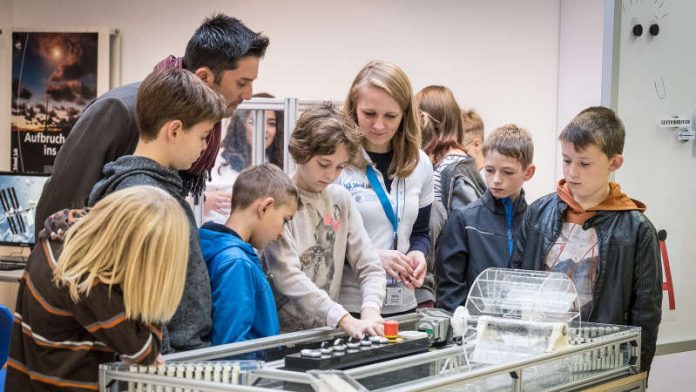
[101,294]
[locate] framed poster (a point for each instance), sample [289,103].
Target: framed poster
[55,75]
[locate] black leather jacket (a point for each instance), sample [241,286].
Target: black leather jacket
[628,287]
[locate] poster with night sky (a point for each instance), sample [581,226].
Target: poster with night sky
[54,76]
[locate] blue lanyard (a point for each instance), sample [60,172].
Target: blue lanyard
[383,199]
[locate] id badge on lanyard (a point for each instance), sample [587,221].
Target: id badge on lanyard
[394,295]
[395,291]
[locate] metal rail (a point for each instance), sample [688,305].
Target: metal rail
[515,370]
[287,339]
[402,363]
[109,376]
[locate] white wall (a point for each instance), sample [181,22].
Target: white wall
[658,169]
[500,57]
[673,372]
[5,65]
[5,16]
[580,62]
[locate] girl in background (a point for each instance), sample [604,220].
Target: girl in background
[393,188]
[456,179]
[100,295]
[235,155]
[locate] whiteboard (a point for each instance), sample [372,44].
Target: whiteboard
[657,79]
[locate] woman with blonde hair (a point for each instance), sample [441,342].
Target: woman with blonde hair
[457,181]
[102,293]
[393,188]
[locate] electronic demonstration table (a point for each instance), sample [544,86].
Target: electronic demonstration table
[599,356]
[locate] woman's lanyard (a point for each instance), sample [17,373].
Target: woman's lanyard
[384,200]
[393,297]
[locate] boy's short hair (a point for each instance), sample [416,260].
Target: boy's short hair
[220,42]
[599,126]
[472,124]
[320,130]
[266,180]
[511,141]
[175,94]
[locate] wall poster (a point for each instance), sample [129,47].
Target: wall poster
[55,74]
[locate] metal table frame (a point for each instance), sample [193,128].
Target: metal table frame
[273,372]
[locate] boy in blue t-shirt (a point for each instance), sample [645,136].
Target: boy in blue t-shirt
[264,199]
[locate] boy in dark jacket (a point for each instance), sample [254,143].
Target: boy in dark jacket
[176,113]
[596,234]
[264,199]
[482,235]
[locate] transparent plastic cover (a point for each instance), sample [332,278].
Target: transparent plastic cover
[523,295]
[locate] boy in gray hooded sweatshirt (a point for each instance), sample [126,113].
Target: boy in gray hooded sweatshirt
[176,112]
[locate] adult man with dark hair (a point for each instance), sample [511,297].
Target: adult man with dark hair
[223,52]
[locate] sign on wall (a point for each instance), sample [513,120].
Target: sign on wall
[54,76]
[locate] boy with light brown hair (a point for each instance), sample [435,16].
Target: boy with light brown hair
[176,113]
[482,234]
[596,234]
